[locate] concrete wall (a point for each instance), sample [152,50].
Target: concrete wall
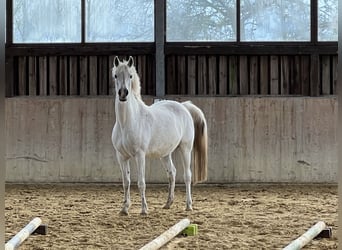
[251,139]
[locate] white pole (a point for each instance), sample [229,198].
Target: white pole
[167,235]
[306,237]
[23,234]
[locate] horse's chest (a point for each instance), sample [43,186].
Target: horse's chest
[126,143]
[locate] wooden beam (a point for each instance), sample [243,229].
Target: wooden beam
[304,239]
[167,235]
[23,234]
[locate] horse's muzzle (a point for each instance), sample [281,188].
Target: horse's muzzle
[123,93]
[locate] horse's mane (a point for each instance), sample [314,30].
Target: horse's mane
[136,87]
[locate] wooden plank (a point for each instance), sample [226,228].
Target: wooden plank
[285,75]
[305,75]
[243,72]
[253,75]
[202,75]
[233,73]
[181,73]
[192,79]
[150,76]
[264,75]
[326,67]
[334,74]
[73,75]
[92,75]
[43,79]
[32,79]
[171,86]
[141,70]
[212,75]
[53,84]
[314,75]
[22,84]
[223,75]
[83,75]
[111,87]
[63,75]
[295,74]
[274,68]
[103,75]
[9,69]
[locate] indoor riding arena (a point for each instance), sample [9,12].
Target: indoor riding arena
[263,73]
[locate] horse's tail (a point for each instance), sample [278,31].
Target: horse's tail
[200,156]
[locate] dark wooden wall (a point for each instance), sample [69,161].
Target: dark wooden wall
[70,75]
[203,74]
[251,75]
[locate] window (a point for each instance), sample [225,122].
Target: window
[327,20]
[201,20]
[277,20]
[61,21]
[46,21]
[119,21]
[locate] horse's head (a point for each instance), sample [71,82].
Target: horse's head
[123,73]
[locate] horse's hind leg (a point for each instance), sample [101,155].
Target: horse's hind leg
[171,173]
[126,181]
[185,152]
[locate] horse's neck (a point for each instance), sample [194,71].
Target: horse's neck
[126,112]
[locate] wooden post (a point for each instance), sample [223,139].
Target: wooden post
[167,235]
[2,111]
[306,237]
[23,234]
[160,46]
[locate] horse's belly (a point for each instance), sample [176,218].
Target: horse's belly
[158,149]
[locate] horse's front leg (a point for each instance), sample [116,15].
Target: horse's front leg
[126,181]
[140,162]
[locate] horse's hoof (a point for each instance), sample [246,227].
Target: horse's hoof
[188,208]
[168,204]
[123,212]
[144,213]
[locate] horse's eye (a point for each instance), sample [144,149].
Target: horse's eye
[130,76]
[115,76]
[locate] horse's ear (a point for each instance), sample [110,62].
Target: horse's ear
[130,62]
[116,61]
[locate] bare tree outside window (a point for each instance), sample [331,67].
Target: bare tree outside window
[119,21]
[46,21]
[327,20]
[275,20]
[201,20]
[59,21]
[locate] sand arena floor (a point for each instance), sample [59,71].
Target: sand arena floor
[228,217]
